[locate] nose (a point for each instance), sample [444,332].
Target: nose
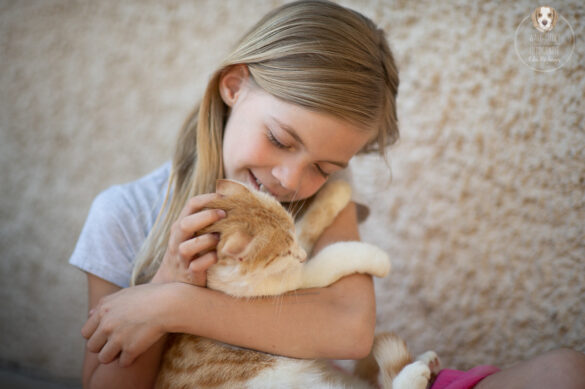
[544,22]
[289,175]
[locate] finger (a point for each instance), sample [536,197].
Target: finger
[90,325]
[200,220]
[186,227]
[198,268]
[109,352]
[202,263]
[96,342]
[197,203]
[193,247]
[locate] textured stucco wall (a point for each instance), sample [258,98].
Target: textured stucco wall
[484,218]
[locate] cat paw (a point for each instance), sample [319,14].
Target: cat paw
[413,376]
[431,359]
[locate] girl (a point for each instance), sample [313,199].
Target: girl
[307,88]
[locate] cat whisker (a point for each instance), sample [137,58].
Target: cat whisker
[294,206]
[300,206]
[294,197]
[291,203]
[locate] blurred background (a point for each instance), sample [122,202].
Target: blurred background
[482,206]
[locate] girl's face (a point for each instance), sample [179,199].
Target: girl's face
[283,148]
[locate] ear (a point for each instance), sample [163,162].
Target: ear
[230,187]
[235,246]
[232,82]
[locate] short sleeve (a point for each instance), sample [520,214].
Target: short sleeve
[117,225]
[110,239]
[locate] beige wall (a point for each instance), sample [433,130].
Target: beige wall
[484,219]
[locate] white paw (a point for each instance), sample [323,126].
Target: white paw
[413,376]
[431,359]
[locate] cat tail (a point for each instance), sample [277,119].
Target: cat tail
[391,355]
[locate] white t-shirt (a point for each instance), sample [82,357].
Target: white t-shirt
[119,220]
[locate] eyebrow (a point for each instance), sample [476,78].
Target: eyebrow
[291,131]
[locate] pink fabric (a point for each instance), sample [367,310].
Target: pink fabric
[457,379]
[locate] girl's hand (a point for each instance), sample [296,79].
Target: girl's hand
[188,256]
[125,324]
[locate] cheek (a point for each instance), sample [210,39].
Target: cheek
[238,149]
[310,185]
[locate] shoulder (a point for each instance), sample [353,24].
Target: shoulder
[137,202]
[118,222]
[138,196]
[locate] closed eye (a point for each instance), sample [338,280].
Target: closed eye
[275,141]
[322,172]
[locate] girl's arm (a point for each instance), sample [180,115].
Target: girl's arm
[334,322]
[141,374]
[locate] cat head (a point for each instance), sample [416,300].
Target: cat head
[258,253]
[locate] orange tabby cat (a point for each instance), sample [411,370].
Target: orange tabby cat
[260,255]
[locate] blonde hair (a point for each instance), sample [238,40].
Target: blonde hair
[313,53]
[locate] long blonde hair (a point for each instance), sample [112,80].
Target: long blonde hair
[312,53]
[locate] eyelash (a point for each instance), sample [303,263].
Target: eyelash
[324,174]
[282,146]
[275,141]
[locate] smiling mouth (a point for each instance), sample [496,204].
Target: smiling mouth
[259,186]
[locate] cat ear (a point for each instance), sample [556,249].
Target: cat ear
[230,187]
[235,246]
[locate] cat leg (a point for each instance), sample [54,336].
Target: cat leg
[342,259]
[431,359]
[414,376]
[328,202]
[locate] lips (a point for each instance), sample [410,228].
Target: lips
[254,181]
[258,185]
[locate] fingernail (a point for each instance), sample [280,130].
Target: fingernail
[221,213]
[91,312]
